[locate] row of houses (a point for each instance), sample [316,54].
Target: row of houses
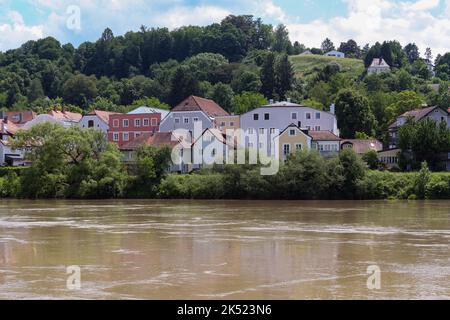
[199,127]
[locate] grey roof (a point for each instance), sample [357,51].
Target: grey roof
[145,109]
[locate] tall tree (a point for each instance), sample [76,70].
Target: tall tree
[36,91]
[284,76]
[412,52]
[268,76]
[354,114]
[281,39]
[327,45]
[182,86]
[351,49]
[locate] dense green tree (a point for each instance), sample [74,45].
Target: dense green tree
[354,114]
[247,101]
[268,76]
[183,84]
[281,41]
[350,48]
[284,76]
[412,52]
[80,90]
[244,80]
[35,91]
[327,45]
[223,95]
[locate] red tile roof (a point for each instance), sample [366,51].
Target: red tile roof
[103,115]
[19,117]
[157,139]
[362,146]
[193,103]
[66,115]
[8,127]
[323,136]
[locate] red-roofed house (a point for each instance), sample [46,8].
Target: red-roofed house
[190,112]
[160,139]
[9,156]
[18,117]
[96,119]
[326,142]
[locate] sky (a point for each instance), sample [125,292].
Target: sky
[425,22]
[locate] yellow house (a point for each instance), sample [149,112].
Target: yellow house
[291,140]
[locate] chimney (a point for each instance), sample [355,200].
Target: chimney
[333,108]
[289,100]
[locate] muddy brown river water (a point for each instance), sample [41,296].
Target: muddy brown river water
[136,249]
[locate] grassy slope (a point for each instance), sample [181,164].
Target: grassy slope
[308,66]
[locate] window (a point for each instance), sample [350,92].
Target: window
[154,122]
[186,120]
[146,122]
[223,124]
[334,147]
[266,116]
[231,124]
[137,122]
[125,136]
[90,123]
[250,144]
[317,115]
[321,147]
[137,134]
[294,115]
[177,120]
[213,152]
[195,119]
[115,136]
[286,149]
[261,130]
[272,130]
[256,117]
[308,116]
[292,132]
[250,130]
[317,128]
[125,123]
[115,123]
[298,146]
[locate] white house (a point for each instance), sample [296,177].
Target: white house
[96,119]
[8,155]
[335,53]
[378,66]
[191,111]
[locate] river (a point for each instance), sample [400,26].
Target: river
[144,249]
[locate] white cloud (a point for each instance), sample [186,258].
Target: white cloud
[182,16]
[369,21]
[14,32]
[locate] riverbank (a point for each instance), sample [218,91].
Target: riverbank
[238,183]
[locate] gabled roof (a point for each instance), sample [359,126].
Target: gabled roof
[19,117]
[323,136]
[8,127]
[156,139]
[416,114]
[66,115]
[193,103]
[379,62]
[292,125]
[362,146]
[219,135]
[102,115]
